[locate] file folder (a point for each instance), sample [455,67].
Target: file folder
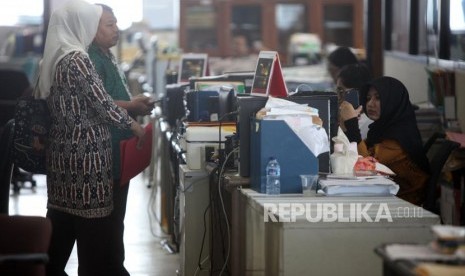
[134,160]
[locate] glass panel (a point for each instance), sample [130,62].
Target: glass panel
[428,27]
[201,28]
[290,19]
[400,26]
[338,24]
[457,29]
[246,19]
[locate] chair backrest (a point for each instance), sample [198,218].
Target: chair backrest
[6,165]
[432,139]
[24,244]
[437,161]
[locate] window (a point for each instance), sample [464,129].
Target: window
[338,24]
[290,18]
[247,19]
[427,28]
[201,28]
[457,29]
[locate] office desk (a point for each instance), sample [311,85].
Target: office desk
[430,264]
[323,247]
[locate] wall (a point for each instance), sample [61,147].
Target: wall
[411,72]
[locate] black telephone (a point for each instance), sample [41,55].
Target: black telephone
[352,97]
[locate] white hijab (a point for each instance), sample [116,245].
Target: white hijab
[72,27]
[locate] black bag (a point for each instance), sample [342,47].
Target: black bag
[32,124]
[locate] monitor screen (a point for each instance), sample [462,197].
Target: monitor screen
[192,65]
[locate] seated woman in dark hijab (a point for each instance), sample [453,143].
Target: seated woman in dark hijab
[393,138]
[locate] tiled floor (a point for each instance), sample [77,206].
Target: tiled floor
[145,255]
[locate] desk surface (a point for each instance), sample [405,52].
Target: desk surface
[431,264]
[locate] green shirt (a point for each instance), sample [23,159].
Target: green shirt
[116,86]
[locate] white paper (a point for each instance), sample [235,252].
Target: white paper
[415,252]
[299,118]
[375,185]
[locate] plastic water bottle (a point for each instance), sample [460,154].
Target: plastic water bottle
[273,173]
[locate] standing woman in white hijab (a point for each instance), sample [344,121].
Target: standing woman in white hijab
[79,176]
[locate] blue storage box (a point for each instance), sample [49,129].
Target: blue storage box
[276,138]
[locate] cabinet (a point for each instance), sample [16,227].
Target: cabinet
[194,220]
[308,245]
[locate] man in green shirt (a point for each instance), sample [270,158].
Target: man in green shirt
[115,84]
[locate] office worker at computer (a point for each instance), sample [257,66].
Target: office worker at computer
[339,58]
[393,138]
[244,56]
[351,79]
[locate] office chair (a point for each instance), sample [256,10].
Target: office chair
[432,139]
[14,84]
[24,244]
[437,160]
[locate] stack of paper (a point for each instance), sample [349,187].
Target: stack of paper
[341,185]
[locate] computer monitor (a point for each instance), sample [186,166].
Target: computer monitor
[211,105]
[244,78]
[325,102]
[247,107]
[173,103]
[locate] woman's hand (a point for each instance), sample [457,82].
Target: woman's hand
[138,131]
[347,111]
[142,105]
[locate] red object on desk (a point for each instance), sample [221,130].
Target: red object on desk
[134,160]
[456,137]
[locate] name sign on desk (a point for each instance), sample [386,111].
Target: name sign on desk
[268,79]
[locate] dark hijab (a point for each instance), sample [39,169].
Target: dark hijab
[397,119]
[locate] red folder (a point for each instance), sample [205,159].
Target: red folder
[134,160]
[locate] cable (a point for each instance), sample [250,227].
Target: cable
[151,212]
[220,155]
[212,213]
[224,210]
[199,265]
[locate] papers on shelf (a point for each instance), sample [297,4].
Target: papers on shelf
[416,252]
[349,185]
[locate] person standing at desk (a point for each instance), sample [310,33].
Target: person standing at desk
[393,138]
[116,86]
[79,161]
